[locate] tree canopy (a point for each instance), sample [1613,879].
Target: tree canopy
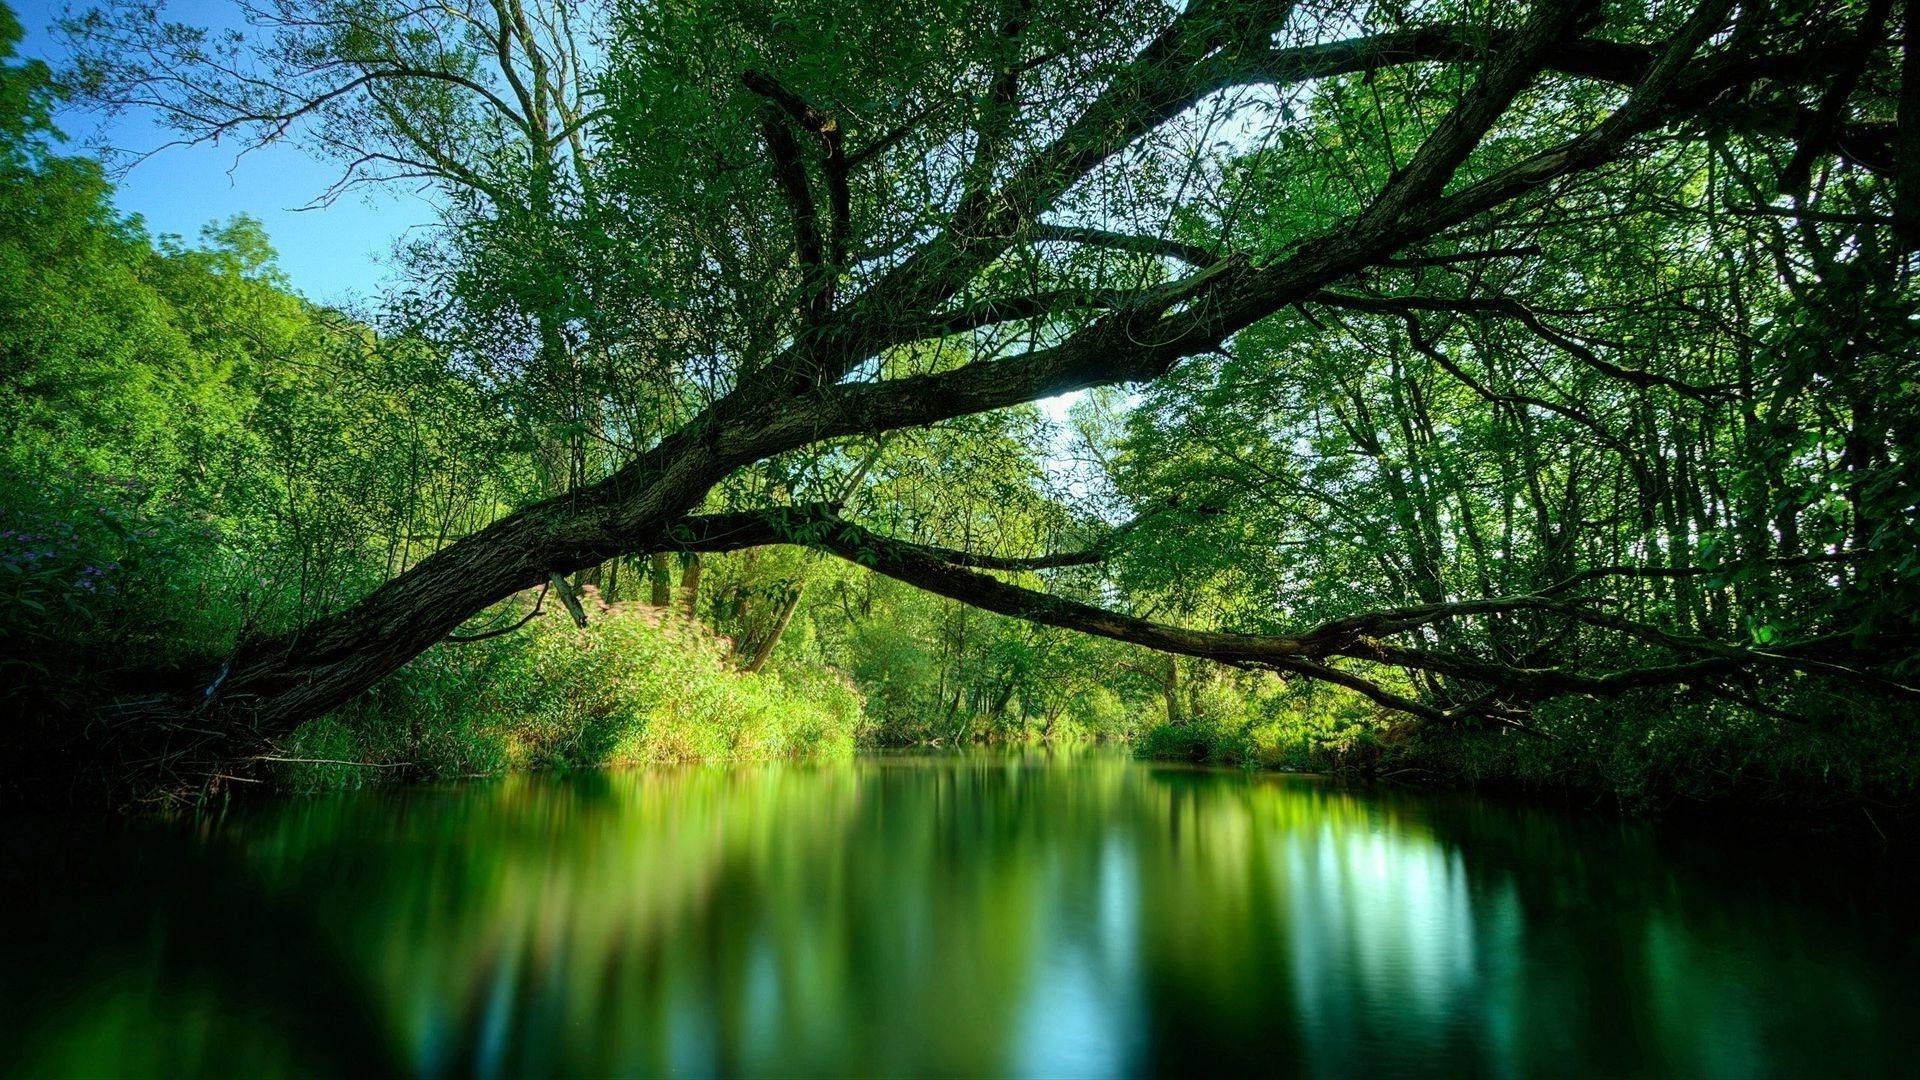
[1471,357]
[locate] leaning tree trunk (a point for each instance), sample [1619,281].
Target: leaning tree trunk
[764,651]
[268,686]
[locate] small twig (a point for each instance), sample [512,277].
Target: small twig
[529,617]
[1875,824]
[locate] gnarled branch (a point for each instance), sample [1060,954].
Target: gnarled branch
[958,576]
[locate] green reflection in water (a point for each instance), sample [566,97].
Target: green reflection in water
[968,914]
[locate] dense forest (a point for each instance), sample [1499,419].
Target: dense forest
[1446,390]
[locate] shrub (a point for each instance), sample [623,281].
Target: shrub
[1267,723]
[94,570]
[636,687]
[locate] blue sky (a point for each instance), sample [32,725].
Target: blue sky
[333,255]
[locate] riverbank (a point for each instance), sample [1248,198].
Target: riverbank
[1709,763]
[641,685]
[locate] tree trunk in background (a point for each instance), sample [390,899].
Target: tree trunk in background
[1000,703]
[690,587]
[1906,181]
[765,651]
[660,573]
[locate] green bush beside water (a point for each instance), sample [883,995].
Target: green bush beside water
[636,687]
[1641,754]
[1265,723]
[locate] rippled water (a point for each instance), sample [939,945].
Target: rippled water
[960,915]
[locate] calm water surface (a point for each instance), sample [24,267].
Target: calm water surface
[964,915]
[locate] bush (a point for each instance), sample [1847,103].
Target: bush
[1653,750]
[636,687]
[1267,723]
[900,679]
[1101,714]
[94,571]
[1642,752]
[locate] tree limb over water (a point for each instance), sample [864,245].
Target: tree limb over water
[1499,692]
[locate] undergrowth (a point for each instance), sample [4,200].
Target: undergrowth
[636,687]
[1645,753]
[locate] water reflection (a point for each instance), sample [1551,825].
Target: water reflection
[960,915]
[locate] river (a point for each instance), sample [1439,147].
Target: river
[963,914]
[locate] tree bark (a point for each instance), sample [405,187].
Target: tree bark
[660,578]
[764,651]
[690,587]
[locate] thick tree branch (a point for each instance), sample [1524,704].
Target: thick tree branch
[833,158]
[790,176]
[1193,254]
[1166,79]
[1500,80]
[957,575]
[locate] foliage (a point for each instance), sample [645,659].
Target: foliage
[1263,722]
[634,688]
[1483,360]
[101,570]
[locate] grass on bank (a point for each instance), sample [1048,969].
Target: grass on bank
[636,687]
